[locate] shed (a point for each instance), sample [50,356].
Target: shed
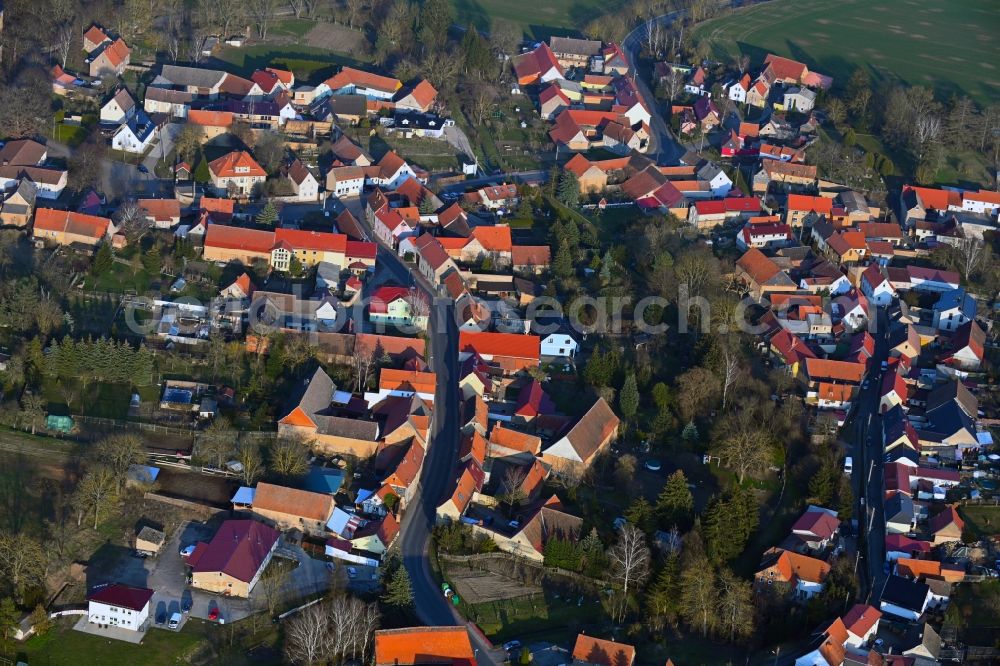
[59,423]
[149,540]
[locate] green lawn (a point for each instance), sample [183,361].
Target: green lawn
[100,399]
[983,520]
[539,19]
[949,45]
[308,63]
[538,617]
[194,644]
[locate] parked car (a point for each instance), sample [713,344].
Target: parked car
[653,465]
[175,621]
[187,550]
[352,572]
[213,614]
[511,646]
[142,168]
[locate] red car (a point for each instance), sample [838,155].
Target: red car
[213,614]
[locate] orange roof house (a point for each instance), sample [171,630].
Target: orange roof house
[601,652]
[206,118]
[348,77]
[238,163]
[224,243]
[407,380]
[802,572]
[820,369]
[424,645]
[762,275]
[66,227]
[505,438]
[93,38]
[291,508]
[510,351]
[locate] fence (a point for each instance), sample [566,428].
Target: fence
[184,504]
[479,559]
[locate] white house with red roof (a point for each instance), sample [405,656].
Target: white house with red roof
[764,236]
[537,66]
[398,306]
[876,286]
[236,172]
[495,197]
[862,624]
[817,527]
[121,606]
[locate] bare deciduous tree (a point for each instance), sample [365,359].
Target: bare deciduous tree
[64,42]
[927,130]
[306,635]
[747,450]
[262,13]
[96,492]
[22,562]
[971,254]
[512,487]
[629,559]
[248,456]
[730,372]
[131,220]
[363,362]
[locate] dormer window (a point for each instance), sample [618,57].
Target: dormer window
[242,169]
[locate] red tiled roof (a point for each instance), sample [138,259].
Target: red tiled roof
[818,523]
[934,198]
[493,239]
[944,519]
[292,501]
[225,166]
[842,371]
[785,68]
[161,209]
[350,76]
[757,266]
[213,205]
[123,596]
[423,645]
[48,219]
[804,202]
[533,64]
[602,652]
[117,52]
[861,618]
[238,549]
[424,93]
[500,344]
[311,240]
[95,35]
[530,255]
[236,238]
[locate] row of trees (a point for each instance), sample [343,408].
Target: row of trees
[104,360]
[338,629]
[284,458]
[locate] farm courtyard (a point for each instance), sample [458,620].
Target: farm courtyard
[949,45]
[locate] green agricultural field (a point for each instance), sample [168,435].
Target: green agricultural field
[949,45]
[539,19]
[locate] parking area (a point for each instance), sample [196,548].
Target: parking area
[167,575]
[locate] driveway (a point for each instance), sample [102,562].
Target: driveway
[456,137]
[167,575]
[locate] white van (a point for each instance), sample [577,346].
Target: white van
[848,465]
[175,621]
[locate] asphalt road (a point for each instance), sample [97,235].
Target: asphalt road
[867,449]
[437,474]
[663,147]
